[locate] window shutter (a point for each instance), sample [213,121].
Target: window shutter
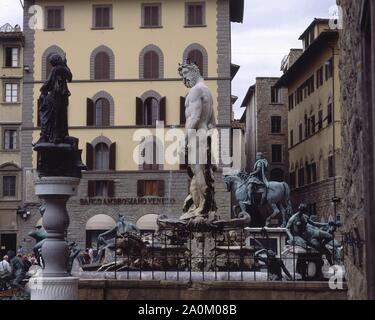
[50,19]
[106,15]
[90,112]
[140,188]
[182,111]
[161,188]
[58,19]
[162,110]
[105,112]
[151,65]
[154,65]
[98,17]
[89,156]
[38,115]
[198,15]
[111,189]
[191,16]
[102,66]
[91,189]
[147,15]
[155,16]
[139,112]
[112,157]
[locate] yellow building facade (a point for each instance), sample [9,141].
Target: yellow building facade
[124,57]
[314,121]
[11,73]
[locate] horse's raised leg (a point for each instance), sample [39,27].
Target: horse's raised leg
[275,213]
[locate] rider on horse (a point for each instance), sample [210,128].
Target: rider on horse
[257,179]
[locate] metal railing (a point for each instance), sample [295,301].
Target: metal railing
[241,255]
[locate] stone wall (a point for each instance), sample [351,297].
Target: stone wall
[208,290]
[320,193]
[356,144]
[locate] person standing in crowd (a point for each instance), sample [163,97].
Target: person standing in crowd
[26,263]
[20,251]
[5,273]
[4,265]
[18,269]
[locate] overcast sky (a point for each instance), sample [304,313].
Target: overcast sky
[270,29]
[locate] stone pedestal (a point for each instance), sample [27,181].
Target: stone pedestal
[55,282]
[202,250]
[65,288]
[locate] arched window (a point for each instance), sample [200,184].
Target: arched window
[277,175]
[151,107]
[196,56]
[102,66]
[102,110]
[196,53]
[101,157]
[101,154]
[151,65]
[151,111]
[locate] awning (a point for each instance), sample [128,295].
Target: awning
[100,222]
[148,222]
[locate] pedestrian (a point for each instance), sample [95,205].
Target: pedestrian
[26,263]
[5,268]
[20,251]
[18,269]
[5,273]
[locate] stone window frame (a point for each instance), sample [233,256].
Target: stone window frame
[197,46]
[17,46]
[9,127]
[11,81]
[281,124]
[146,4]
[203,3]
[46,18]
[107,50]
[10,170]
[50,50]
[104,5]
[155,48]
[101,139]
[281,153]
[106,95]
[95,143]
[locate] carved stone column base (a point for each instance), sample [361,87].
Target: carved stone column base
[55,289]
[55,192]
